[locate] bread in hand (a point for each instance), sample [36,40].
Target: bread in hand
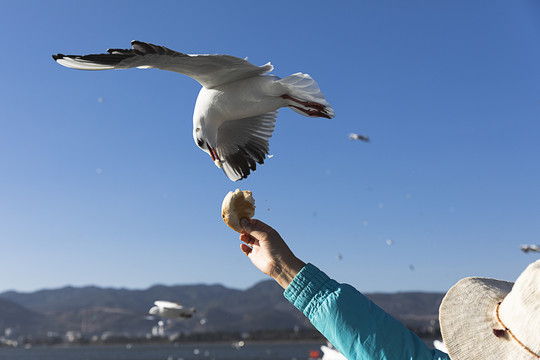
[237,205]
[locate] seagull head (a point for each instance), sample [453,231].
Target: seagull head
[154,310]
[205,145]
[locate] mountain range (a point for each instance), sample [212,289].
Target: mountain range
[93,310]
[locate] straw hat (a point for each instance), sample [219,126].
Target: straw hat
[492,319]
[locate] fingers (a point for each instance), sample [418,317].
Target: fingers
[245,249]
[248,239]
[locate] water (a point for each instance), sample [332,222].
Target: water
[251,351]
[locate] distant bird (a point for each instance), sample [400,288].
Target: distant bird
[237,107]
[170,310]
[354,136]
[527,248]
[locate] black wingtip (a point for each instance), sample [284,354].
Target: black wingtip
[58,56]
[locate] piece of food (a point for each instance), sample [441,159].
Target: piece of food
[237,205]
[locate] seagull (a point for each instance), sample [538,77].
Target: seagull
[440,345]
[354,136]
[236,109]
[170,310]
[527,248]
[329,353]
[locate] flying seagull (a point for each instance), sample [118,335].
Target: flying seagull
[170,310]
[330,353]
[354,136]
[527,248]
[236,110]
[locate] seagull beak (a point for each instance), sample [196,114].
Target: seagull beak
[214,155]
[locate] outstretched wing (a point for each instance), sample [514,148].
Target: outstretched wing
[208,70]
[243,143]
[168,304]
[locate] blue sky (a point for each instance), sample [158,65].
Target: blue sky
[102,184]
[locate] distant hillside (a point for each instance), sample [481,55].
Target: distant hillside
[18,318]
[94,310]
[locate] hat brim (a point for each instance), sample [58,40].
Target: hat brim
[468,316]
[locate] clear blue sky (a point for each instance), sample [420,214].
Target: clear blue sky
[101,182]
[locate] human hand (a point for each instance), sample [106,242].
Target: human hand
[269,252]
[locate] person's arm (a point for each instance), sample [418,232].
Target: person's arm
[269,252]
[357,327]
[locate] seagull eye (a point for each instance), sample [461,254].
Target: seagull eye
[200,143]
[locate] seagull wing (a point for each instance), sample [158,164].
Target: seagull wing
[208,70]
[241,143]
[167,304]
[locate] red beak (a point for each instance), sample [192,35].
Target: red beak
[213,153]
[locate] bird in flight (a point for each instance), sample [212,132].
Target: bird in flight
[527,248]
[170,310]
[236,110]
[354,136]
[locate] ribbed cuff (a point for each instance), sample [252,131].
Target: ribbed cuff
[306,285]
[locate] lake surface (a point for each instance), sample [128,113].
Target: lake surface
[251,351]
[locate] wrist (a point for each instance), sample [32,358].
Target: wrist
[285,271]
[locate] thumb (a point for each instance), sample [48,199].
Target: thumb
[252,225]
[247,225]
[244,223]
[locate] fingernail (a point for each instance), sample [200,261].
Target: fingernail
[244,221]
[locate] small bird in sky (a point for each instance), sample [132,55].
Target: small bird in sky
[354,136]
[527,248]
[170,310]
[236,110]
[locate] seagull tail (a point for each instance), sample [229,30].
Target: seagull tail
[304,96]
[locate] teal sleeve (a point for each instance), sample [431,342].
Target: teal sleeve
[357,327]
